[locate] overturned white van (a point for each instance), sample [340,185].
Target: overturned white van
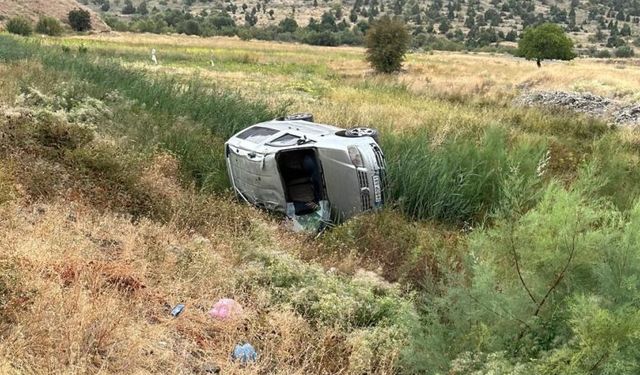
[307,170]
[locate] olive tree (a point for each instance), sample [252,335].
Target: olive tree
[80,19]
[545,41]
[387,41]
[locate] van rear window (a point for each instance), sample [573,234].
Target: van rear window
[257,134]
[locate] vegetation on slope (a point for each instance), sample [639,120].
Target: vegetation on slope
[522,257]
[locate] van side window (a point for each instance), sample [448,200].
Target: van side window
[257,134]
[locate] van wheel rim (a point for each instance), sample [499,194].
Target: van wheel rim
[361,132]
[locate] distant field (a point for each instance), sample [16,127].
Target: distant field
[435,90]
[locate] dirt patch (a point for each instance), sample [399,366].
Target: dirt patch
[615,112]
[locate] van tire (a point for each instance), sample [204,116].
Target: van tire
[300,117]
[358,132]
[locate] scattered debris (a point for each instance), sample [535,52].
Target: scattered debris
[244,353]
[209,368]
[177,310]
[615,112]
[226,308]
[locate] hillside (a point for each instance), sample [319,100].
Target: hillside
[35,8]
[440,24]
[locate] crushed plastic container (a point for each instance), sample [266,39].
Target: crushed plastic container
[244,353]
[226,308]
[177,310]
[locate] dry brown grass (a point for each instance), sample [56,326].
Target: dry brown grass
[90,291]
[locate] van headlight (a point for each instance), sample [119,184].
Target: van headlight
[355,156]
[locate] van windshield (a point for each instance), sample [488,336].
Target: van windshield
[257,134]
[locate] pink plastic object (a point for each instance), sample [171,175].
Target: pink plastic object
[225,308]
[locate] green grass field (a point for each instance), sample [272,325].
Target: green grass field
[509,243]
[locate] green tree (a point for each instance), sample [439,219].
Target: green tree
[546,41]
[128,7]
[288,25]
[143,9]
[19,25]
[80,20]
[49,26]
[190,27]
[387,42]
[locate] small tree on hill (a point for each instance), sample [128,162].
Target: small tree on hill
[80,20]
[546,41]
[128,8]
[288,25]
[19,25]
[143,9]
[387,41]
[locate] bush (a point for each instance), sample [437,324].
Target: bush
[49,26]
[624,51]
[387,41]
[323,38]
[80,20]
[190,27]
[20,26]
[603,54]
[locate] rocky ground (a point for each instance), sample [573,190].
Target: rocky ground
[616,112]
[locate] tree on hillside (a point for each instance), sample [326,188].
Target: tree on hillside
[80,20]
[545,41]
[143,9]
[128,7]
[288,25]
[387,41]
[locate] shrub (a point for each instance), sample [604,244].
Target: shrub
[624,51]
[387,41]
[49,26]
[80,19]
[190,27]
[603,54]
[323,38]
[524,282]
[20,26]
[287,25]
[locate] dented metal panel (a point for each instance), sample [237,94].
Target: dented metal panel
[257,178]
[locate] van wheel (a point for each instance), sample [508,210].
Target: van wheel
[300,117]
[360,132]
